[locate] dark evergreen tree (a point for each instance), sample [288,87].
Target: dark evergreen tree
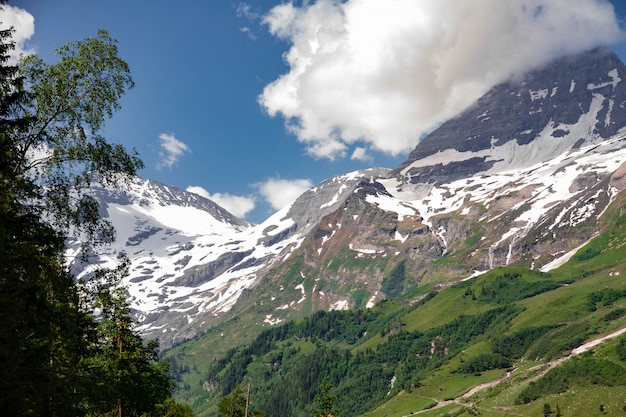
[41,326]
[324,401]
[130,381]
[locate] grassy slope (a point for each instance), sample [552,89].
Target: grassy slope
[601,264]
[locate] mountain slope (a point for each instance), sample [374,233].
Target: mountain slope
[191,259]
[511,330]
[540,166]
[519,178]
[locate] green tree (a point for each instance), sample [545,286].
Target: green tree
[171,408]
[547,410]
[324,401]
[130,379]
[61,150]
[42,328]
[233,405]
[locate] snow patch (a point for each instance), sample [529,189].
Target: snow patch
[538,94]
[340,305]
[271,320]
[372,301]
[615,80]
[302,290]
[398,236]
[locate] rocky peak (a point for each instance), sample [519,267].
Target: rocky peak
[573,101]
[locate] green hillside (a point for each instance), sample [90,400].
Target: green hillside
[511,329]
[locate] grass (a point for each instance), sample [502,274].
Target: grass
[447,305]
[402,404]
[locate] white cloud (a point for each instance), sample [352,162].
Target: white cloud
[360,154]
[248,33]
[280,192]
[24,25]
[246,11]
[384,72]
[239,206]
[172,150]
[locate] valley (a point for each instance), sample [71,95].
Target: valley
[454,284]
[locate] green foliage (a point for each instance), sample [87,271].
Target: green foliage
[233,405]
[620,349]
[606,297]
[559,340]
[513,346]
[587,253]
[128,377]
[579,371]
[509,287]
[484,362]
[286,378]
[171,408]
[67,105]
[614,314]
[393,285]
[324,401]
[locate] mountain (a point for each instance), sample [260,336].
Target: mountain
[573,102]
[499,248]
[524,186]
[519,178]
[191,260]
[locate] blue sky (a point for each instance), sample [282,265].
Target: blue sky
[252,102]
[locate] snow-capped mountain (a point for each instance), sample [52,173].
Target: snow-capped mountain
[519,178]
[190,258]
[573,102]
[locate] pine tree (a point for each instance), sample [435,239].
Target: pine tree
[41,327]
[233,405]
[130,378]
[325,401]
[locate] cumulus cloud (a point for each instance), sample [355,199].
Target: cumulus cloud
[360,154]
[172,150]
[24,25]
[280,192]
[240,206]
[382,73]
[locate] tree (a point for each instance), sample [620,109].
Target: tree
[42,328]
[233,405]
[130,379]
[57,358]
[324,401]
[171,408]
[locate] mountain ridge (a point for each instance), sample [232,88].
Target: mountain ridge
[508,198]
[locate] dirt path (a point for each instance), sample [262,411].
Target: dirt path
[546,367]
[485,385]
